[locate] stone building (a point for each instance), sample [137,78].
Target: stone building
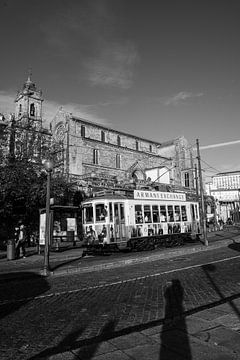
[93,151]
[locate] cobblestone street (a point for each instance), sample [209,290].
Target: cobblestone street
[84,316]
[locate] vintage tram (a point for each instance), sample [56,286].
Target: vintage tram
[142,220]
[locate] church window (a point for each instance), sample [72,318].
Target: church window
[32,110]
[102,136]
[118,140]
[186,179]
[95,157]
[118,161]
[83,132]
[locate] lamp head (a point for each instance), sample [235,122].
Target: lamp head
[48,164]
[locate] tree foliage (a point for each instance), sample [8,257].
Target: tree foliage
[23,193]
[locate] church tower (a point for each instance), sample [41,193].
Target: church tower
[28,110]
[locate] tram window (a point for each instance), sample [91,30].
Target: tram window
[193,212]
[122,217]
[138,214]
[155,213]
[88,214]
[184,213]
[170,213]
[177,212]
[196,212]
[110,212]
[163,213]
[100,212]
[147,214]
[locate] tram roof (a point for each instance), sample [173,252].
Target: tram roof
[109,197]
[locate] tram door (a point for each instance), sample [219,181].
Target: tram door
[119,221]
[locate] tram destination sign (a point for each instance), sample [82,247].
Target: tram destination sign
[158,195]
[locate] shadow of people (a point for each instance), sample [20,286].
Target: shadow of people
[210,268]
[17,289]
[174,337]
[79,348]
[234,246]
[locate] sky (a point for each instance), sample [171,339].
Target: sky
[156,69]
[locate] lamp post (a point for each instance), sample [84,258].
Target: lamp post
[48,164]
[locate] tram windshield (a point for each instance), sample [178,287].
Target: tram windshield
[88,214]
[100,212]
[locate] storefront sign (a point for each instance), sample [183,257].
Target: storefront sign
[159,195]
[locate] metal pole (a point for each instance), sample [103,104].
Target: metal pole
[47,228]
[203,215]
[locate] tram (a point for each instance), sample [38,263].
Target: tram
[145,220]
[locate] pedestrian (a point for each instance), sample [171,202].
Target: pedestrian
[20,238]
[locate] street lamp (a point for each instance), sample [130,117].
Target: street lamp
[48,164]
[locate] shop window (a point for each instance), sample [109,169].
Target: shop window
[177,213]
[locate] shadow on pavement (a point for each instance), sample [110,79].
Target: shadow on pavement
[234,246]
[210,268]
[62,263]
[16,293]
[80,349]
[172,339]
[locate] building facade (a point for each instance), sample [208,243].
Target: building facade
[225,188]
[94,151]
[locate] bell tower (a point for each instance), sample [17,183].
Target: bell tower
[28,109]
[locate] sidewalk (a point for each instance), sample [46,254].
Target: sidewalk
[71,261]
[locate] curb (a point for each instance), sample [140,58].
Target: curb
[81,268]
[147,258]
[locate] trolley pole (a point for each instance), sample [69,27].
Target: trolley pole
[203,214]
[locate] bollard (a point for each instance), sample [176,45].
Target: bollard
[11,249]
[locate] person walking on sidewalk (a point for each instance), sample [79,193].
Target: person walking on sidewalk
[20,236]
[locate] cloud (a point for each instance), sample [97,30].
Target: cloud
[50,108]
[114,67]
[181,97]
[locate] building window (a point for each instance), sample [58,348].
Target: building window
[32,110]
[20,109]
[118,140]
[150,148]
[83,131]
[95,157]
[102,136]
[137,145]
[186,179]
[118,161]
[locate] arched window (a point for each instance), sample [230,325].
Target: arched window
[118,161]
[32,110]
[118,140]
[95,157]
[103,136]
[83,130]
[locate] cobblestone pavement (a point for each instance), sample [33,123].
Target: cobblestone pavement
[186,308]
